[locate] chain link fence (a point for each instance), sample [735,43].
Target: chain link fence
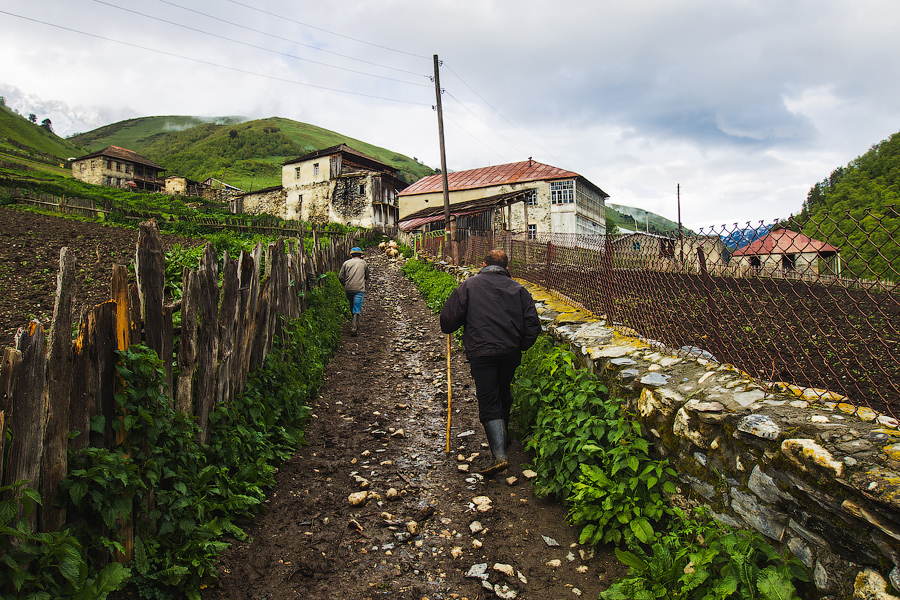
[802,302]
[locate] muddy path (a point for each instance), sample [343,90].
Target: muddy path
[379,427]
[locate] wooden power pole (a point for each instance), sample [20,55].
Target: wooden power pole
[449,228]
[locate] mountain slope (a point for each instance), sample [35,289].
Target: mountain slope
[247,154]
[638,219]
[857,209]
[38,141]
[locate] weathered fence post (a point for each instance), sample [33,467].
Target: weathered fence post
[226,324]
[59,382]
[29,410]
[207,338]
[187,349]
[150,272]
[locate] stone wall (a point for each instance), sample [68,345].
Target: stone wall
[818,477]
[270,201]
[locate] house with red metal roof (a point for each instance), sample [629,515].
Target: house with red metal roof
[783,252]
[526,196]
[119,167]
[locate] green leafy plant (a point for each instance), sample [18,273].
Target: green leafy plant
[705,560]
[45,566]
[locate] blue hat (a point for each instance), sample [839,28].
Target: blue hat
[355,250]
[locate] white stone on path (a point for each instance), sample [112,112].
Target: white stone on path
[476,527]
[554,564]
[505,569]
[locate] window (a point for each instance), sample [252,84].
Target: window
[562,192]
[296,172]
[532,199]
[316,169]
[362,189]
[109,165]
[532,231]
[118,166]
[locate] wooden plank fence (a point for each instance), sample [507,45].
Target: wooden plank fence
[50,385]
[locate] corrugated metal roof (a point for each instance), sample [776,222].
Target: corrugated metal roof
[461,209]
[520,172]
[784,241]
[123,154]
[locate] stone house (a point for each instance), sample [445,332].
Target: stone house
[786,253]
[641,250]
[339,185]
[119,167]
[560,202]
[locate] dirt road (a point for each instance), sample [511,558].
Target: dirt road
[379,427]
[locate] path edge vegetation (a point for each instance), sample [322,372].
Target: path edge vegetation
[589,454]
[187,496]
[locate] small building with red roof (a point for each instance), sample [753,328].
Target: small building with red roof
[783,252]
[119,167]
[553,200]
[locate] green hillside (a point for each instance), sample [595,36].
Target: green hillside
[638,219]
[857,209]
[25,142]
[246,154]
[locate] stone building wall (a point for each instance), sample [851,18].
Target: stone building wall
[818,477]
[271,202]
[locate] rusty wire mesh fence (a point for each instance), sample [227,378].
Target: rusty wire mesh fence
[810,304]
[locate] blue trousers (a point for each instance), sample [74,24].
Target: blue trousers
[355,299]
[493,376]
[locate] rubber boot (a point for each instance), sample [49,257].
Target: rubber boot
[495,431]
[507,441]
[354,328]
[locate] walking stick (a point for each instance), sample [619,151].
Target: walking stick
[448,393]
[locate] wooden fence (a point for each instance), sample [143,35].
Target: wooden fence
[50,385]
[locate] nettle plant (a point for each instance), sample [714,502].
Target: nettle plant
[589,452]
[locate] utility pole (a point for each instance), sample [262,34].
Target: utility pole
[449,228]
[680,236]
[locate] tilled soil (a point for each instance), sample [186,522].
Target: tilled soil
[379,425]
[29,263]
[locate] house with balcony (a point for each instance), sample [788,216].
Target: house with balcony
[526,196]
[119,167]
[340,185]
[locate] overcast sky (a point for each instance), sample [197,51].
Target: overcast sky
[743,103]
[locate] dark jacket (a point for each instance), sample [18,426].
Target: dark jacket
[498,314]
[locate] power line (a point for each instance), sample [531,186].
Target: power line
[346,37]
[486,124]
[212,64]
[289,40]
[499,113]
[227,39]
[470,134]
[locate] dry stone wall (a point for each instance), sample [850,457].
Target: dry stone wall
[817,476]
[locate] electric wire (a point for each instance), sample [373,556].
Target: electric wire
[227,39]
[455,74]
[486,124]
[277,37]
[212,64]
[346,37]
[470,134]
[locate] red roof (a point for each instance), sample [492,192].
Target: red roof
[784,241]
[520,172]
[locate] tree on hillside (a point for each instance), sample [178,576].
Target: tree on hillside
[32,117]
[856,210]
[46,124]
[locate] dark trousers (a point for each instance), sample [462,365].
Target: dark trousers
[493,376]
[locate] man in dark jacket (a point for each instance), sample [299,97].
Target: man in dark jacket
[500,323]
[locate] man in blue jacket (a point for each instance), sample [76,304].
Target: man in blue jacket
[500,322]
